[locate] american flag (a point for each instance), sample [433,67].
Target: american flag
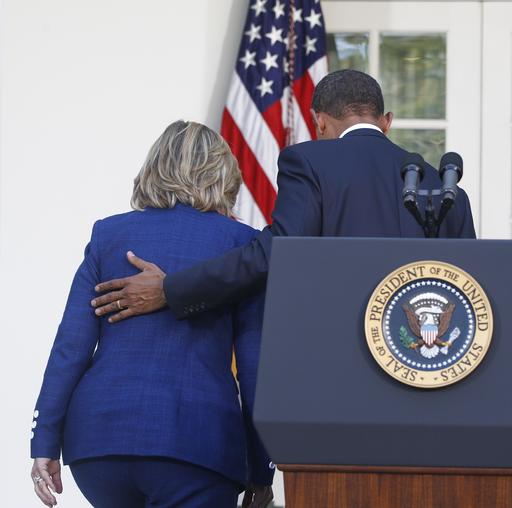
[283,41]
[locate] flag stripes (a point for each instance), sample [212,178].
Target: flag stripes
[260,117]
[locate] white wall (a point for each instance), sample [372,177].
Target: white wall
[85,87]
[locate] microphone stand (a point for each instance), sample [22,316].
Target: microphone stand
[431,223]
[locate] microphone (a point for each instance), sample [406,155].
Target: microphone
[450,171]
[412,173]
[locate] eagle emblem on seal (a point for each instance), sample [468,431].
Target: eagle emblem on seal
[428,316]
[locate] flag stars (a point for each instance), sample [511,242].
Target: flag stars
[314,19]
[275,35]
[254,32]
[259,6]
[297,15]
[265,87]
[289,42]
[248,59]
[278,9]
[310,45]
[269,61]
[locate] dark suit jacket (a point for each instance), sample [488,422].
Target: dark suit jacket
[343,187]
[154,386]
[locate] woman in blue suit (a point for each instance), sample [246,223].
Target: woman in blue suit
[146,412]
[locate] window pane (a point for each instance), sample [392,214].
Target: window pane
[347,51]
[430,143]
[413,74]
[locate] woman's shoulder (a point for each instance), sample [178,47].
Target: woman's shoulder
[123,226]
[134,218]
[120,217]
[241,232]
[185,215]
[214,220]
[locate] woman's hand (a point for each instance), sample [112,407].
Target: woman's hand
[257,496]
[46,475]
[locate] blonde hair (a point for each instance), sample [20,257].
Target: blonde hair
[191,164]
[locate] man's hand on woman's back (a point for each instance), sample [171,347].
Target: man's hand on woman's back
[131,296]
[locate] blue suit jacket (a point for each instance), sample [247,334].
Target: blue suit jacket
[154,386]
[342,187]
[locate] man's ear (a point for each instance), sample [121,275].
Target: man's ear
[386,122]
[319,121]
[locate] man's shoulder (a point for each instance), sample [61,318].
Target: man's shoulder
[348,152]
[313,154]
[346,145]
[313,147]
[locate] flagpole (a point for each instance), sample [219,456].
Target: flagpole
[290,135]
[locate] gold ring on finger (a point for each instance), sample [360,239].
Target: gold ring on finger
[119,305]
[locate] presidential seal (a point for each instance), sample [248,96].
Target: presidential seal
[428,324]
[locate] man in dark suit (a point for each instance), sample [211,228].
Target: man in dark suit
[346,184]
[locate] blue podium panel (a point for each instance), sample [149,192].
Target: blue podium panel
[322,398]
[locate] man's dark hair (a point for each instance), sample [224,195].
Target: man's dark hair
[348,92]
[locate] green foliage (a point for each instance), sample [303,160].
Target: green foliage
[430,143]
[413,79]
[405,338]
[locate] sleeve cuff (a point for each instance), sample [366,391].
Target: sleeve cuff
[49,452]
[263,476]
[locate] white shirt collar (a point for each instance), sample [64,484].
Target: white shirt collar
[360,126]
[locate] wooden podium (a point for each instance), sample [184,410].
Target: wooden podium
[344,432]
[394,487]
